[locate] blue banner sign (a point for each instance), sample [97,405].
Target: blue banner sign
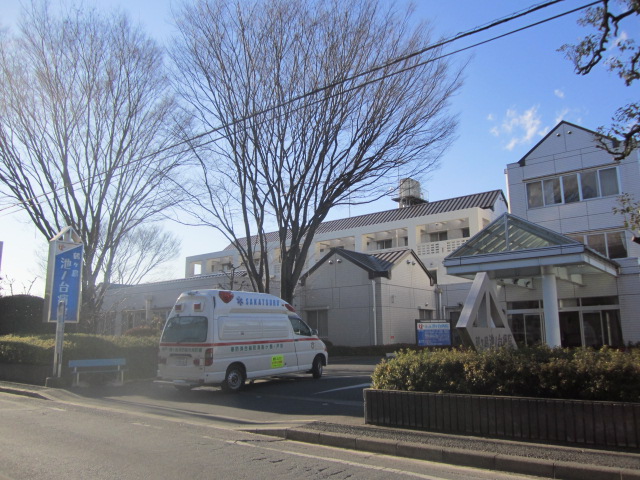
[433,334]
[67,274]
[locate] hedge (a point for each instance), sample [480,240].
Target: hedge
[141,352]
[23,314]
[582,374]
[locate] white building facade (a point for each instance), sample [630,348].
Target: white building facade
[386,311]
[431,229]
[582,287]
[570,185]
[357,299]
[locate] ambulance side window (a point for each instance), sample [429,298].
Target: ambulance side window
[299,327]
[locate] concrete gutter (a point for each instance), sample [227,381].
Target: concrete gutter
[505,461]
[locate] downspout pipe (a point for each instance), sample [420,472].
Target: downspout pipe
[375,318]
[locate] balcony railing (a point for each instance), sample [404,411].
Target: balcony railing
[444,247]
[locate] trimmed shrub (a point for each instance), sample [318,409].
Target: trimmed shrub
[23,314]
[586,374]
[143,332]
[141,352]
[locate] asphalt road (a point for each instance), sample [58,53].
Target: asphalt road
[279,401]
[142,430]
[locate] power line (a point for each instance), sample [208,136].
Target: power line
[332,85]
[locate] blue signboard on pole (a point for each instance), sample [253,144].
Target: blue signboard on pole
[433,334]
[67,274]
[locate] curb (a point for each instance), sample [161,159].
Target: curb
[487,461]
[23,392]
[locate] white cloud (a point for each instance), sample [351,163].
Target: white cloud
[561,115]
[558,93]
[622,38]
[490,117]
[520,128]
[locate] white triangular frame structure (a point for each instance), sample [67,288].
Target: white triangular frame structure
[482,323]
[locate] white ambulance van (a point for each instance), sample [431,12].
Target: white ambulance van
[221,337]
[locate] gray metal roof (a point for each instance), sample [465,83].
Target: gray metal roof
[485,200]
[378,264]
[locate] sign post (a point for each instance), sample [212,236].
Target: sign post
[63,287]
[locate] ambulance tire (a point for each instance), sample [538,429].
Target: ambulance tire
[317,367]
[234,379]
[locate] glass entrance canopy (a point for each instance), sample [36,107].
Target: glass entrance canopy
[512,247]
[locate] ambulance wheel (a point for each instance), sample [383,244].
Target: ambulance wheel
[317,367]
[234,379]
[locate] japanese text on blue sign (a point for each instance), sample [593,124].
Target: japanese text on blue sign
[433,334]
[66,283]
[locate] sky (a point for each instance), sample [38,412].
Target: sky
[516,89]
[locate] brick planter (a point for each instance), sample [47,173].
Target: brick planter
[582,422]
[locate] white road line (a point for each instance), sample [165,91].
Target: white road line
[362,385]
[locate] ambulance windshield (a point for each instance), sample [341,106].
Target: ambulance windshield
[185,329]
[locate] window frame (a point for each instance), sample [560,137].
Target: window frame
[608,236]
[546,192]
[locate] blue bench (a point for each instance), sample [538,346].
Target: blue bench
[98,365]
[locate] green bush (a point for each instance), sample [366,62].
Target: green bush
[143,332]
[605,374]
[23,314]
[141,352]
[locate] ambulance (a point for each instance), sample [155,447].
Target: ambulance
[222,337]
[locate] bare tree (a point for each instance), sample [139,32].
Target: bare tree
[614,46]
[142,251]
[313,104]
[12,286]
[86,116]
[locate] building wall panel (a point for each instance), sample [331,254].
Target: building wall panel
[592,158]
[567,163]
[540,168]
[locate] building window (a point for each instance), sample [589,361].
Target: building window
[526,328]
[570,188]
[438,236]
[552,192]
[591,328]
[317,320]
[573,187]
[589,185]
[534,194]
[466,232]
[609,244]
[590,322]
[382,244]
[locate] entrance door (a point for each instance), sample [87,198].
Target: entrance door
[570,332]
[456,340]
[592,329]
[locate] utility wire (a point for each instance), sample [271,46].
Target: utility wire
[332,85]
